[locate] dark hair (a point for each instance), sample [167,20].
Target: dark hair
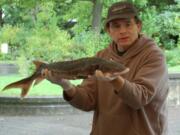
[137,19]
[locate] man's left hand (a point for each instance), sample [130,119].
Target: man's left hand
[115,79]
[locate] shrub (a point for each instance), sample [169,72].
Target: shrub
[88,43]
[173,57]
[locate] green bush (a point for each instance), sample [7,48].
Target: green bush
[169,22]
[149,18]
[88,43]
[173,57]
[24,65]
[15,36]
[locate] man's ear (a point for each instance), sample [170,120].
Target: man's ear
[107,30]
[139,26]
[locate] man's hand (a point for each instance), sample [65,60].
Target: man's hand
[115,79]
[56,79]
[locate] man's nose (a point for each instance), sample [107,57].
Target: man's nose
[122,29]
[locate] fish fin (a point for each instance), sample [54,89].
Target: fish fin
[38,63]
[23,84]
[25,89]
[38,80]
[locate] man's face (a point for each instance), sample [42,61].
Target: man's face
[124,32]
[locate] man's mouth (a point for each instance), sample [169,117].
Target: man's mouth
[123,39]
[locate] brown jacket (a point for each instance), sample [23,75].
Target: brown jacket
[139,108]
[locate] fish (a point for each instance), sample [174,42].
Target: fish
[70,69]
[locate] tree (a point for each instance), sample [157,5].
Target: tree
[1,17]
[96,15]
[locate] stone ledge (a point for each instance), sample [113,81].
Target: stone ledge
[48,105]
[36,100]
[6,69]
[174,76]
[36,110]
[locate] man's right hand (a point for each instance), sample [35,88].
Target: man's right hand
[56,79]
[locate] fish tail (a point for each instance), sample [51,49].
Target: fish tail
[26,83]
[38,80]
[23,84]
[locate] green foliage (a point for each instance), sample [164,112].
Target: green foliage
[162,25]
[23,64]
[44,45]
[139,3]
[35,29]
[87,44]
[75,12]
[173,57]
[169,22]
[47,41]
[8,34]
[15,36]
[150,17]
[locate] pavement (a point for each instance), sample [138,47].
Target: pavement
[70,122]
[174,120]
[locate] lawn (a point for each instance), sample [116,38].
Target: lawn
[175,69]
[45,88]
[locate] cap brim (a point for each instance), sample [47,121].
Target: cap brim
[114,17]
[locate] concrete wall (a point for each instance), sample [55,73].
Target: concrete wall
[6,69]
[174,92]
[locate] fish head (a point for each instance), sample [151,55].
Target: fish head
[115,67]
[40,66]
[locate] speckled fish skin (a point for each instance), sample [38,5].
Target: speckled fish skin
[75,69]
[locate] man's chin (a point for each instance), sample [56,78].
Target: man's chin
[124,45]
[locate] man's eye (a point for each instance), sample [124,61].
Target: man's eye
[128,24]
[115,25]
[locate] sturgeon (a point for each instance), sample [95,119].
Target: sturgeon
[71,70]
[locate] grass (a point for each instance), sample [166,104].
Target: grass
[45,88]
[175,69]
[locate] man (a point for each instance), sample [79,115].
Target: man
[131,104]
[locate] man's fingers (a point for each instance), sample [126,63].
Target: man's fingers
[99,73]
[106,76]
[44,72]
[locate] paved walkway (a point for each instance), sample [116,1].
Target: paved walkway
[70,123]
[174,120]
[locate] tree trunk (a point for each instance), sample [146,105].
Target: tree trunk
[1,19]
[97,11]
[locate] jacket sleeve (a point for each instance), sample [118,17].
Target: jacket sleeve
[85,95]
[148,81]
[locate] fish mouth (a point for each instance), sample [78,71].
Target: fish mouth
[124,71]
[115,75]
